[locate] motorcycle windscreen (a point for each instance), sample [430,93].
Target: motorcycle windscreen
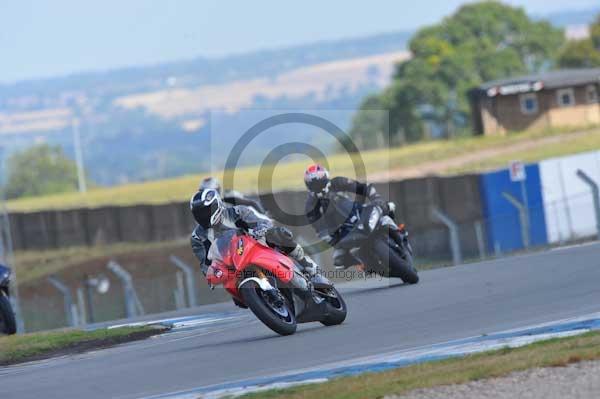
[221,247]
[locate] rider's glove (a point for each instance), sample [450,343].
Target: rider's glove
[204,268]
[326,237]
[391,207]
[259,231]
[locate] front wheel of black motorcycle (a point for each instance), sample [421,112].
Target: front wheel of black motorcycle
[8,324]
[270,307]
[337,310]
[399,266]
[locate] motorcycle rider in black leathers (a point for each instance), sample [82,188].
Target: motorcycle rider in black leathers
[213,217]
[328,206]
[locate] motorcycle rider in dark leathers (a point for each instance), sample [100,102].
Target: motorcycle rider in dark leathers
[213,217]
[328,206]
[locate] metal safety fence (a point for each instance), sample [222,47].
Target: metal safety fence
[118,289]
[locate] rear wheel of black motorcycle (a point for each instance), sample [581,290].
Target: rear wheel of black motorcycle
[279,319]
[8,325]
[398,266]
[337,307]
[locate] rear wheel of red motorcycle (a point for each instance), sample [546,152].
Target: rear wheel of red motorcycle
[279,317]
[337,307]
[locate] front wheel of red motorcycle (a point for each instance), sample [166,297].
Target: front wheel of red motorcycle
[271,308]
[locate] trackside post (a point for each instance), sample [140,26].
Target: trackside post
[596,195]
[436,214]
[133,305]
[523,217]
[190,279]
[70,307]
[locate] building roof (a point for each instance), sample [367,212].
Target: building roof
[544,80]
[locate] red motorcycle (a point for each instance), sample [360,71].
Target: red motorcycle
[271,284]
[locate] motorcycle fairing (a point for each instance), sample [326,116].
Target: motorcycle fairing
[250,252]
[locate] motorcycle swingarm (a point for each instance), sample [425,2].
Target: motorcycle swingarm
[319,281]
[312,311]
[308,309]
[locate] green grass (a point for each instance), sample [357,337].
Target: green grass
[19,348]
[551,353]
[586,142]
[289,175]
[33,265]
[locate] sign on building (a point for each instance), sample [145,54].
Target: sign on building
[517,171]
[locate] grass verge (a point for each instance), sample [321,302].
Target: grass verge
[289,175]
[551,353]
[33,265]
[572,145]
[21,348]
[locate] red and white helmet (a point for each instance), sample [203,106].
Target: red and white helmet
[316,178]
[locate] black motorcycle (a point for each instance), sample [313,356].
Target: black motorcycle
[374,238]
[8,324]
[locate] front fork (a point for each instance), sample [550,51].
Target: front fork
[399,236]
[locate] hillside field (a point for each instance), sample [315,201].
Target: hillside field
[441,157]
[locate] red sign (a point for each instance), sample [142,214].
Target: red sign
[517,171]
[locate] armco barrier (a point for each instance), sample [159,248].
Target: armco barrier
[456,196]
[136,223]
[70,228]
[103,225]
[168,221]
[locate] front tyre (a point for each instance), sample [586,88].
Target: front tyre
[8,324]
[336,307]
[397,265]
[270,307]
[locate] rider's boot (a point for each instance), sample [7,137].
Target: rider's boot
[344,259]
[309,265]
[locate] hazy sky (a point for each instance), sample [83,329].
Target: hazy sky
[54,37]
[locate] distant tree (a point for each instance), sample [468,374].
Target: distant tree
[40,170]
[370,124]
[480,42]
[595,33]
[580,54]
[584,53]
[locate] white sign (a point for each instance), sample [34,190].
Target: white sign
[517,171]
[515,89]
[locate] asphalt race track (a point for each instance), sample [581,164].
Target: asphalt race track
[449,303]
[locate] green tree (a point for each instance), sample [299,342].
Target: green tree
[38,170]
[480,42]
[595,33]
[370,125]
[584,53]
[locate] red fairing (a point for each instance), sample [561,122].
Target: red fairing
[254,253]
[245,251]
[218,274]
